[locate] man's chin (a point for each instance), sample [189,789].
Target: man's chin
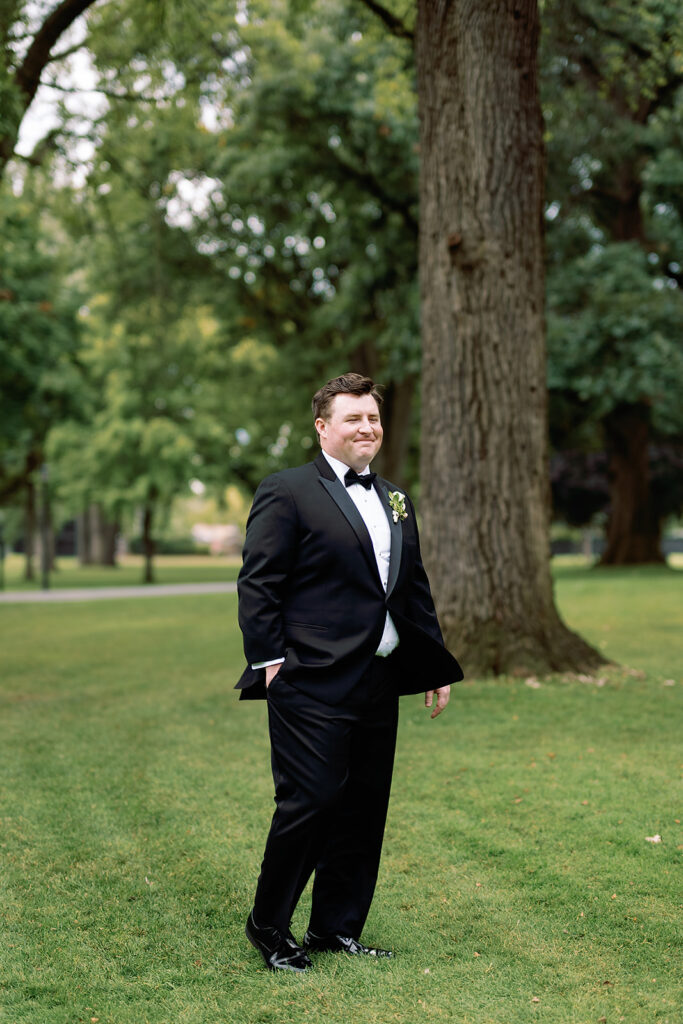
[361,460]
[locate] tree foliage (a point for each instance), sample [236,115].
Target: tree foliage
[39,341]
[614,114]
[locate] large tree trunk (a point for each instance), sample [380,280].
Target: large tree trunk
[633,530]
[485,486]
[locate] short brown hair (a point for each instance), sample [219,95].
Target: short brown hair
[347,384]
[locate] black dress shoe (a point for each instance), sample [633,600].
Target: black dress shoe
[340,944]
[280,952]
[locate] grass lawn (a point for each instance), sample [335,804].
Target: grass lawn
[168,569]
[517,884]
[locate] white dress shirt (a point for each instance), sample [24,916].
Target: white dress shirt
[369,504]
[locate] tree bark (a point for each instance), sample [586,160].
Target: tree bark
[96,537]
[633,530]
[83,538]
[148,543]
[30,530]
[485,486]
[46,536]
[102,537]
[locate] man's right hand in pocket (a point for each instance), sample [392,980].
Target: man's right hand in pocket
[271,672]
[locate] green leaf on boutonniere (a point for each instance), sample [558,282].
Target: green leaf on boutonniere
[397,503]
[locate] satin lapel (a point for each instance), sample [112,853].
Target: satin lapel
[396,536]
[340,496]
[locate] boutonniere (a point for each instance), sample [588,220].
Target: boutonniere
[397,503]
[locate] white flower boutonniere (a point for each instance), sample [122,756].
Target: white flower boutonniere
[397,502]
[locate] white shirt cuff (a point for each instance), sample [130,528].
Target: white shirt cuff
[266,664]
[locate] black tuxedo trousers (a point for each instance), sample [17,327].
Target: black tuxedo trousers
[332,768]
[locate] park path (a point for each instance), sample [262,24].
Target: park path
[107,593]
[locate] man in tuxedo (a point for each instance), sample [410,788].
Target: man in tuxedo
[338,621]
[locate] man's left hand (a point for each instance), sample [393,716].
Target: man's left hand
[442,695]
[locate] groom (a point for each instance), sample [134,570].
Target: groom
[338,620]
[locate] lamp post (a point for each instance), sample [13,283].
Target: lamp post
[44,527]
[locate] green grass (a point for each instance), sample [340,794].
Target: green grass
[167,569]
[135,797]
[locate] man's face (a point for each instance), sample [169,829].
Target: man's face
[352,431]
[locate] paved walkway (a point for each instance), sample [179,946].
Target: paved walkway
[107,593]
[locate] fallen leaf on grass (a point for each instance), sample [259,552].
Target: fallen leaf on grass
[669,682]
[533,683]
[535,999]
[653,839]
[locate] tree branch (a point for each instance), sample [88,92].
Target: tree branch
[28,75]
[65,53]
[370,182]
[638,51]
[134,96]
[394,24]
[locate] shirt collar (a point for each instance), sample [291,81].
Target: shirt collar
[340,468]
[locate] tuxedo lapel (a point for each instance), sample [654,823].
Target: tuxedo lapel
[335,488]
[340,495]
[396,535]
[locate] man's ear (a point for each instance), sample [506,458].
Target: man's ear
[320,426]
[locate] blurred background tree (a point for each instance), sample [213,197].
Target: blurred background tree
[40,340]
[613,87]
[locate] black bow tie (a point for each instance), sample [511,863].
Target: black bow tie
[351,477]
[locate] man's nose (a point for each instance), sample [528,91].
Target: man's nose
[366,427]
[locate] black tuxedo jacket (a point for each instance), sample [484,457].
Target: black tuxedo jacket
[309,590]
